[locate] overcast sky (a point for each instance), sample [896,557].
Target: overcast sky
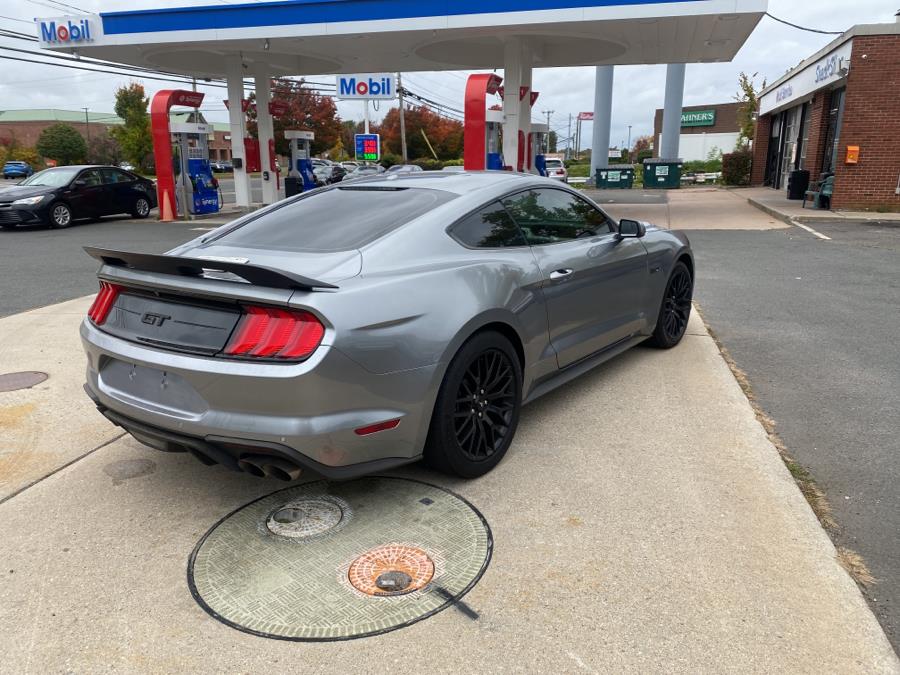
[771,50]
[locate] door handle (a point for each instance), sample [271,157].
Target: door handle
[560,274]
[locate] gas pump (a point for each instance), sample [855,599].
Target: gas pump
[301,166]
[195,183]
[493,127]
[537,148]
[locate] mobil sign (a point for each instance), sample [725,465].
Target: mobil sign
[65,30]
[364,86]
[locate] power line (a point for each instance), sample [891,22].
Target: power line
[12,18]
[810,30]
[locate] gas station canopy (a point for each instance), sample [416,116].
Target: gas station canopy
[311,37]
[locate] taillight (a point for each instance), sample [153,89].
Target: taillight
[103,302]
[267,332]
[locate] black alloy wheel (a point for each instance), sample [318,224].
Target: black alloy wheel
[477,410]
[676,308]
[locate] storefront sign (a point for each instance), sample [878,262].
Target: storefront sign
[368,147]
[816,75]
[698,118]
[377,85]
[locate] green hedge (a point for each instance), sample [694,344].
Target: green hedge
[736,167]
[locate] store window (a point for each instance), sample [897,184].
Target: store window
[789,138]
[832,134]
[804,137]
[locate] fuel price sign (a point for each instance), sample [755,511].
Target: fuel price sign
[368,147]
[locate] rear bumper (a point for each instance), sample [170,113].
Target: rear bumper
[307,412]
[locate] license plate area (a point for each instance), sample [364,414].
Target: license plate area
[171,324]
[152,389]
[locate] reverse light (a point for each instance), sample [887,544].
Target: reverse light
[103,302]
[268,332]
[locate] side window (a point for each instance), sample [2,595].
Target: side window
[91,177]
[547,216]
[491,227]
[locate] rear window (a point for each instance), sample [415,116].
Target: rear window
[339,219]
[554,163]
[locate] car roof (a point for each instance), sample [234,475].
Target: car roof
[457,182]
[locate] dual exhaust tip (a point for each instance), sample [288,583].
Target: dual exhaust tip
[268,465]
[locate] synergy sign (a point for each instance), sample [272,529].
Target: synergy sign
[65,30]
[368,147]
[372,86]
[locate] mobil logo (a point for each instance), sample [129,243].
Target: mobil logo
[66,30]
[376,85]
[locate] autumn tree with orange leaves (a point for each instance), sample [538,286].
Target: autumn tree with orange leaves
[445,135]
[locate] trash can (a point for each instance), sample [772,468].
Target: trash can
[293,185]
[798,184]
[616,176]
[662,173]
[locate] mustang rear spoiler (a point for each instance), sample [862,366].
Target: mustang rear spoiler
[195,267]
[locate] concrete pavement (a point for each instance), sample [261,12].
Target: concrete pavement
[776,204]
[642,522]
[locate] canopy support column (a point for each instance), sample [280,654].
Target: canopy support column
[266,135]
[234,69]
[671,125]
[525,108]
[512,80]
[603,93]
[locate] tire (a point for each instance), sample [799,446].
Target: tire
[60,215]
[469,443]
[141,207]
[675,309]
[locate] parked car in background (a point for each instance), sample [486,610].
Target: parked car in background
[221,166]
[363,171]
[326,174]
[126,166]
[344,345]
[454,168]
[350,166]
[557,170]
[404,168]
[17,170]
[59,196]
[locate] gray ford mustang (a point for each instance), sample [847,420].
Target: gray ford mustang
[370,324]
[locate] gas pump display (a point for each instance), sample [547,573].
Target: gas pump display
[301,164]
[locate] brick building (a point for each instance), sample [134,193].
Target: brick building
[26,125]
[704,128]
[837,113]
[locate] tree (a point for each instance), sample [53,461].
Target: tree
[306,111]
[642,143]
[133,136]
[63,143]
[748,97]
[552,141]
[444,135]
[103,149]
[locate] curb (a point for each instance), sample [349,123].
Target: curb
[812,219]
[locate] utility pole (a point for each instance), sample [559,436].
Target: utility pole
[569,139]
[628,147]
[87,126]
[402,120]
[548,113]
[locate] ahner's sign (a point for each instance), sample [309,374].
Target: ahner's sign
[698,118]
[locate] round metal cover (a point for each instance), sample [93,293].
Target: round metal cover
[304,518]
[313,588]
[24,380]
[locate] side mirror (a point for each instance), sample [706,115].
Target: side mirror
[80,183]
[631,229]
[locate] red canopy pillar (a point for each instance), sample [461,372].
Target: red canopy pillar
[162,143]
[475,127]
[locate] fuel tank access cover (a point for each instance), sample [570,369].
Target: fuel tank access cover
[335,561]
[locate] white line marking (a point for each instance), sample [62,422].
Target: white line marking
[810,230]
[202,229]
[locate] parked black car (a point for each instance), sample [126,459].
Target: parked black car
[58,196]
[223,166]
[326,174]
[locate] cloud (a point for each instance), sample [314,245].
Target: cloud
[772,49]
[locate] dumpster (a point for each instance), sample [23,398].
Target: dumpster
[616,176]
[293,185]
[662,173]
[798,184]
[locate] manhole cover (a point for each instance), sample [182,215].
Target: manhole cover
[409,550]
[24,380]
[304,518]
[391,570]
